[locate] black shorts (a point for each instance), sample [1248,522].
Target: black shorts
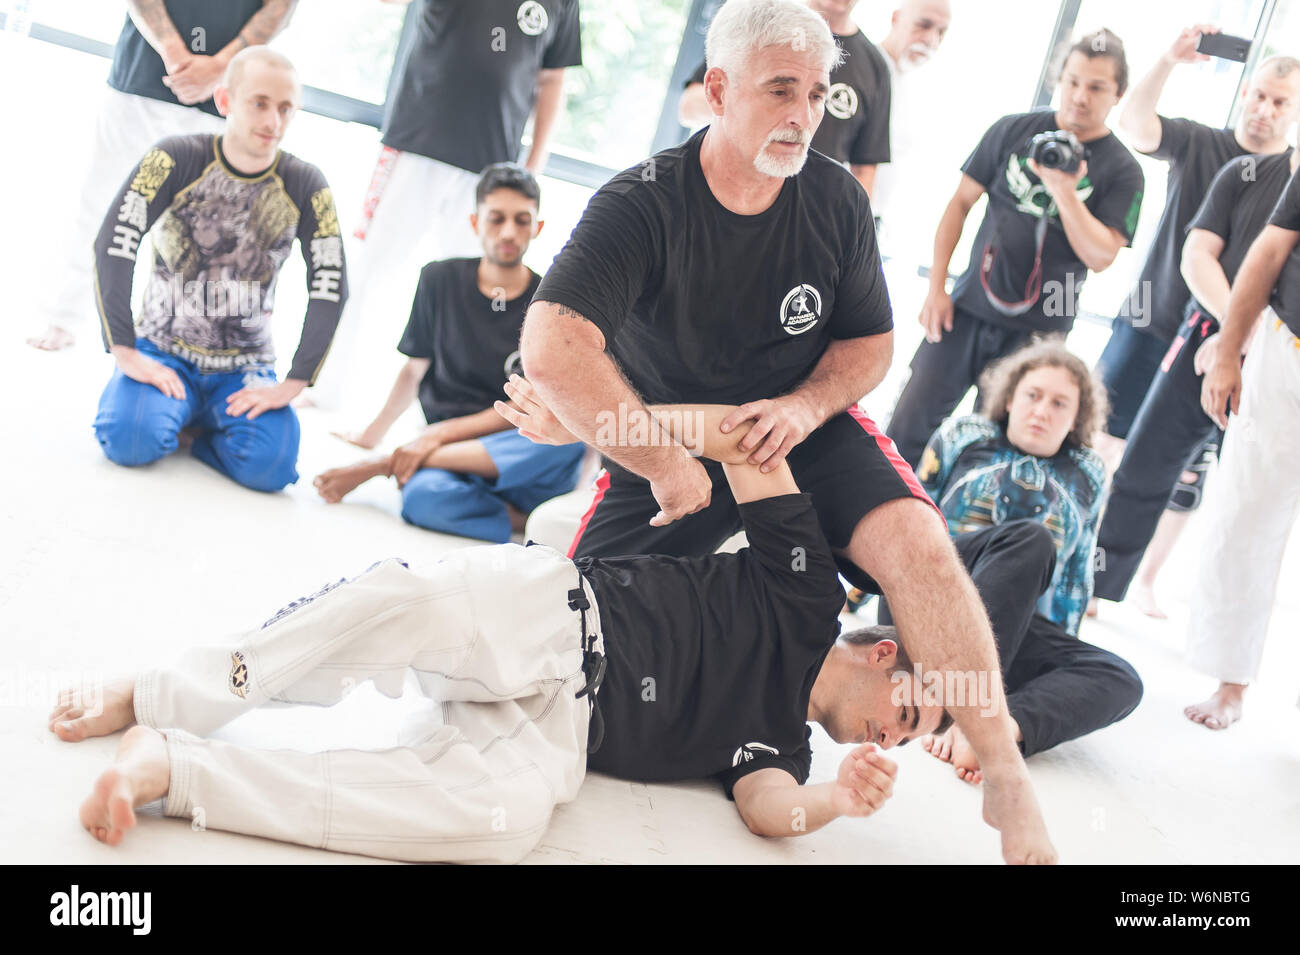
[847,465]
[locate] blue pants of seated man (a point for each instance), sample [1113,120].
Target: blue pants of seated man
[473,506]
[137,423]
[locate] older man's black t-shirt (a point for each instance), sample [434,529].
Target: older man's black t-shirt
[1286,293]
[469,78]
[1195,152]
[1237,206]
[855,126]
[700,304]
[711,660]
[205,26]
[472,341]
[1111,190]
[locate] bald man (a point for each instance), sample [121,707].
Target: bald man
[199,355]
[169,58]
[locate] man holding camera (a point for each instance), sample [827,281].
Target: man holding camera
[1064,197]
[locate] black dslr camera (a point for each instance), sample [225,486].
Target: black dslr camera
[1058,149]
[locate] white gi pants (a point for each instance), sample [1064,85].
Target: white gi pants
[416,211]
[488,632]
[1252,511]
[125,127]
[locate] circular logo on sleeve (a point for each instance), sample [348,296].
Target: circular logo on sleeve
[532,18]
[842,103]
[800,309]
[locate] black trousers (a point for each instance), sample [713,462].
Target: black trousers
[942,373]
[1058,687]
[1168,436]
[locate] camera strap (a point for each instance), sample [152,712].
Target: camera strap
[1033,286]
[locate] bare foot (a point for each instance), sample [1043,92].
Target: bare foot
[1011,807]
[140,774]
[964,759]
[358,438]
[939,746]
[951,746]
[75,717]
[337,483]
[1093,606]
[1143,596]
[1221,710]
[53,338]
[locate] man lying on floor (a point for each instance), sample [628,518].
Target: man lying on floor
[660,668]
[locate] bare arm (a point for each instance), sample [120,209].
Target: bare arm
[550,94]
[936,310]
[865,173]
[406,386]
[693,108]
[559,348]
[1093,241]
[155,25]
[772,802]
[1221,388]
[1203,272]
[848,370]
[1138,120]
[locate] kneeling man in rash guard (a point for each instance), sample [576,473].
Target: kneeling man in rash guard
[650,668]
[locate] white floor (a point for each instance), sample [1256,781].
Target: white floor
[104,570]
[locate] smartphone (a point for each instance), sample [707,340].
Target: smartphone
[1225,46]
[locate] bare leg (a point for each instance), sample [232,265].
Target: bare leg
[905,546]
[141,773]
[1221,710]
[1162,544]
[336,483]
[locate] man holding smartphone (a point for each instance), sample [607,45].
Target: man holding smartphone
[1044,230]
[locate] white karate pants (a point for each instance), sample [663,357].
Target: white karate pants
[1252,511]
[488,632]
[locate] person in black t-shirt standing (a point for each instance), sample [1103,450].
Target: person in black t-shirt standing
[1171,428]
[1043,231]
[660,668]
[168,60]
[1150,318]
[855,129]
[466,85]
[469,466]
[741,268]
[1252,510]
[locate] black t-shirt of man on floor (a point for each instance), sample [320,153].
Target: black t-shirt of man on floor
[1195,152]
[1111,190]
[1238,204]
[700,304]
[855,126]
[205,26]
[1286,294]
[467,81]
[471,340]
[711,660]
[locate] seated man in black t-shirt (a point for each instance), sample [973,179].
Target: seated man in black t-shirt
[660,668]
[741,267]
[469,470]
[1043,231]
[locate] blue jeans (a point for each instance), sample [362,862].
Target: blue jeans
[473,506]
[138,424]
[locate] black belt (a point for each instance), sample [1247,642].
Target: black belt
[593,667]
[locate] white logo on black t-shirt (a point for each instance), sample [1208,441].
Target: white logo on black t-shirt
[800,309]
[749,750]
[513,365]
[842,103]
[532,17]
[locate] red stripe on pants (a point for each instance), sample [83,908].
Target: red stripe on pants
[602,485]
[891,454]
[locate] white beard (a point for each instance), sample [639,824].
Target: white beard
[778,166]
